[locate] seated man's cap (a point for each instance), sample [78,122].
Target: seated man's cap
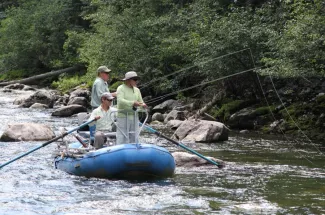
[107,96]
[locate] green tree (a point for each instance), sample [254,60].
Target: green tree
[33,34]
[299,48]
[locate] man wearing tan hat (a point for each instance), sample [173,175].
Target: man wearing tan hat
[104,120]
[128,99]
[100,86]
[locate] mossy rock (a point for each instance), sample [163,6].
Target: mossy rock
[264,110]
[229,108]
[265,129]
[294,110]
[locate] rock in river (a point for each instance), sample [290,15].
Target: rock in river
[27,132]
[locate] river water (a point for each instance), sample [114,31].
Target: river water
[262,176]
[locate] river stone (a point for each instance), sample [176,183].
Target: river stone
[29,88]
[38,106]
[80,93]
[6,90]
[243,119]
[61,101]
[175,114]
[41,96]
[69,110]
[165,106]
[175,123]
[244,131]
[78,101]
[189,160]
[201,131]
[27,132]
[16,86]
[20,100]
[157,117]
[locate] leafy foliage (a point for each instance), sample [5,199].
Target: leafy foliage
[33,34]
[299,46]
[172,44]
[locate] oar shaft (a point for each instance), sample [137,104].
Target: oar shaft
[198,154]
[46,143]
[181,145]
[30,151]
[188,149]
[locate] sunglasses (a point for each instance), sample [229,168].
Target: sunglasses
[108,99]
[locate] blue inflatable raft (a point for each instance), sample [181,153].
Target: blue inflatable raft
[125,161]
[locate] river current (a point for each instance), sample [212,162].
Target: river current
[262,176]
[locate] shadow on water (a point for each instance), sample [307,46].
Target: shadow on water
[262,176]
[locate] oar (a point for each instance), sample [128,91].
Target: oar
[181,145]
[79,139]
[48,142]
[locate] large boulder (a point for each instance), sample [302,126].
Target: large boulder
[166,106]
[28,88]
[80,93]
[27,132]
[78,101]
[175,123]
[190,160]
[243,119]
[175,114]
[62,101]
[38,106]
[41,96]
[250,118]
[201,131]
[79,96]
[69,110]
[157,117]
[16,86]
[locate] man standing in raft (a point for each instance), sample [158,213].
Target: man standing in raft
[100,86]
[128,100]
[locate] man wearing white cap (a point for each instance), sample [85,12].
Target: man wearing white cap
[100,86]
[104,119]
[128,99]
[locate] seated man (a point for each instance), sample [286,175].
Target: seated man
[104,119]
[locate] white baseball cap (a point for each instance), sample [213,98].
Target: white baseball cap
[107,95]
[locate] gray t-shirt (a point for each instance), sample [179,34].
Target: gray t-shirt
[99,87]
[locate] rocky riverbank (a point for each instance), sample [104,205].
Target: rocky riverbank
[276,106]
[171,112]
[281,106]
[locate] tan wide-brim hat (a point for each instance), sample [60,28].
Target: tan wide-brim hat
[130,75]
[103,69]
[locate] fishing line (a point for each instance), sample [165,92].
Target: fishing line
[204,83]
[190,67]
[303,133]
[285,136]
[306,79]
